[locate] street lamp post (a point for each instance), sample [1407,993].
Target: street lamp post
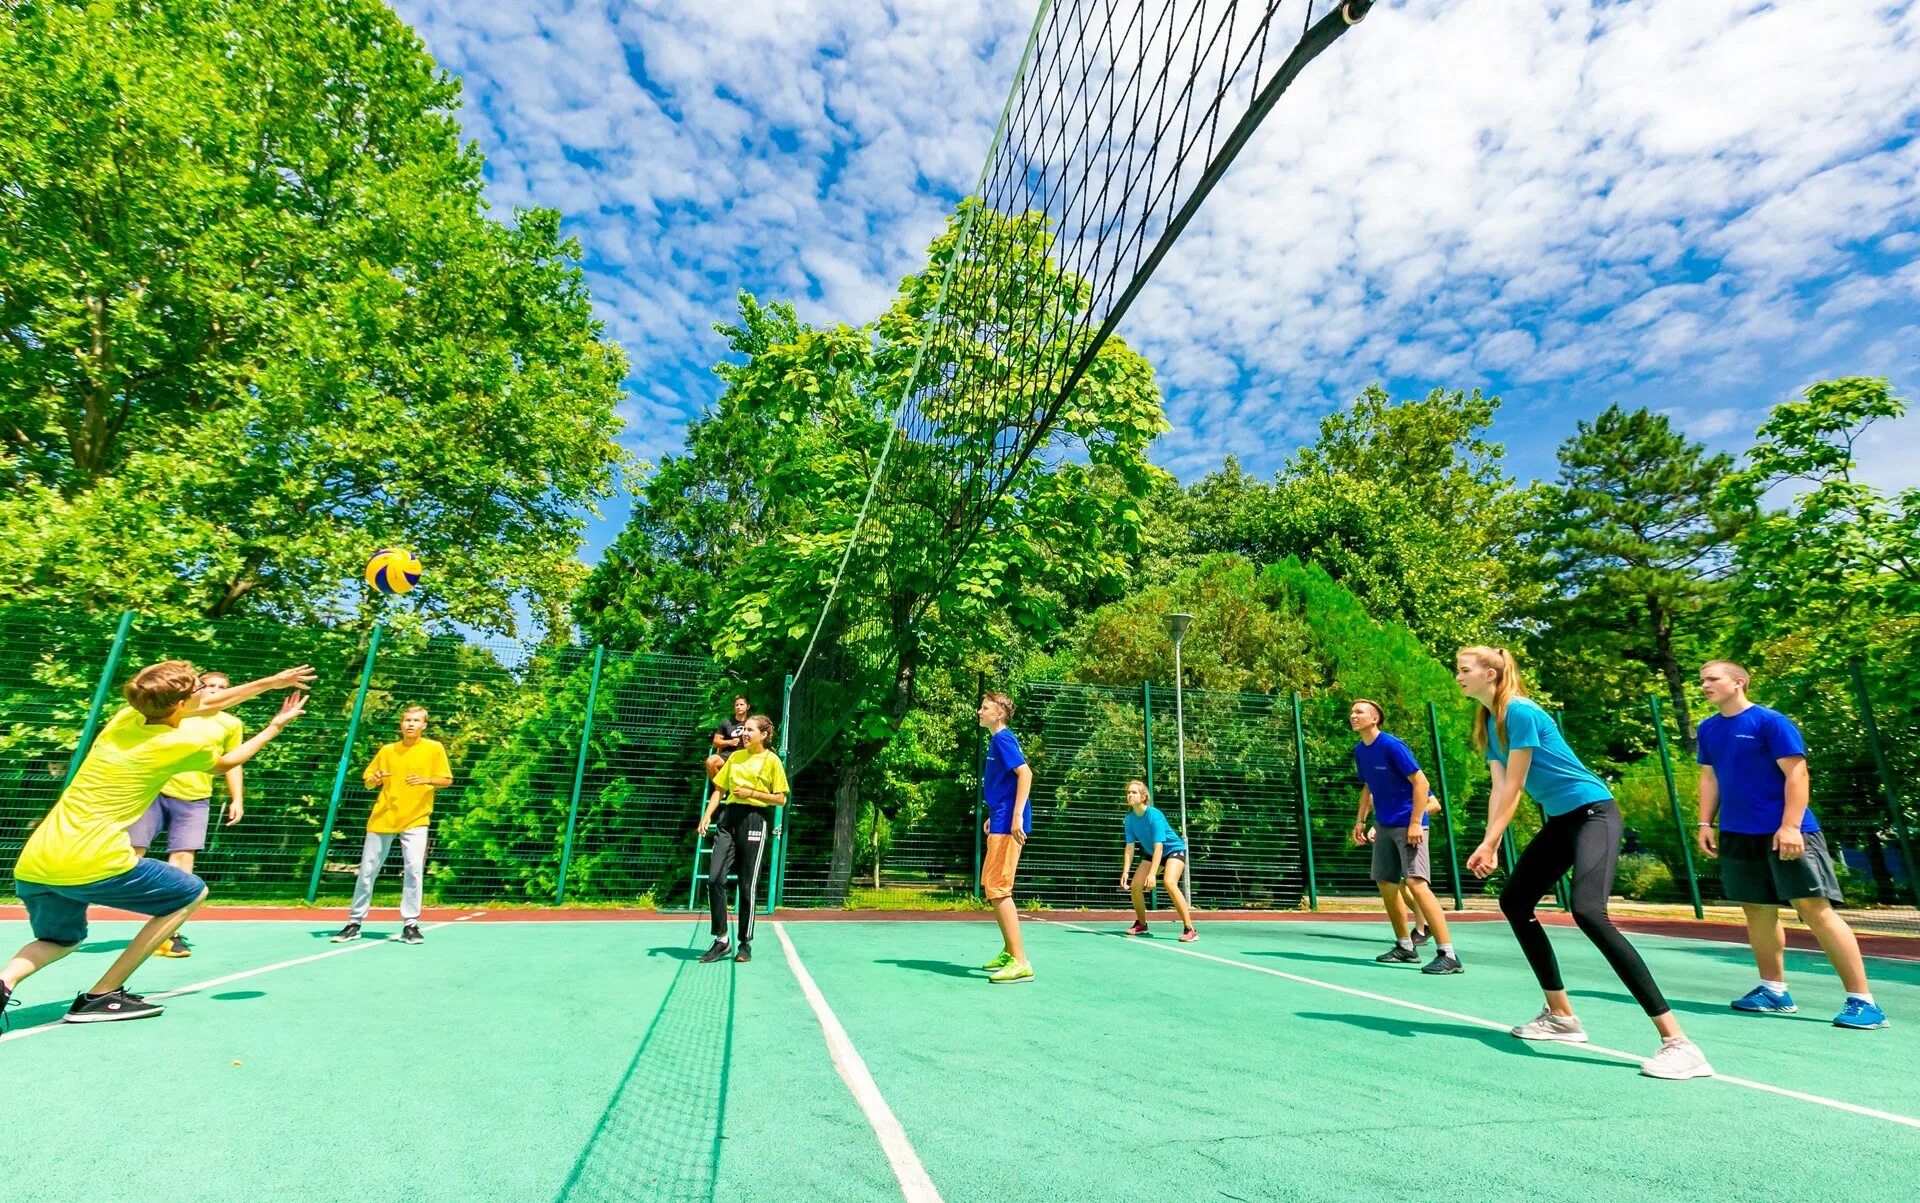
[1177,625]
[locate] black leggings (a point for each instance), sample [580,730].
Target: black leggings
[739,844]
[1587,841]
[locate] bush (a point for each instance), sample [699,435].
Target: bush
[1642,876]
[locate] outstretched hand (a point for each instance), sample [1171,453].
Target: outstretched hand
[291,707]
[300,676]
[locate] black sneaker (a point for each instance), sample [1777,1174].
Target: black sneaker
[720,951]
[744,955]
[6,1000]
[110,1007]
[1420,936]
[410,934]
[1443,963]
[350,932]
[1398,956]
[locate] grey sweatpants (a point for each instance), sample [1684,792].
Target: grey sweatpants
[373,857]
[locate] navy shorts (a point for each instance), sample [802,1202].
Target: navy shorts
[184,818]
[58,914]
[1146,856]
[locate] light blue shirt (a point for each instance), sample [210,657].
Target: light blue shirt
[1151,827]
[1556,778]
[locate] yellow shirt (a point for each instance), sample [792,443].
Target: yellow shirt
[760,771]
[225,733]
[402,807]
[83,839]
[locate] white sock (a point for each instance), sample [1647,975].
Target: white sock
[1865,998]
[1776,987]
[1405,942]
[1447,949]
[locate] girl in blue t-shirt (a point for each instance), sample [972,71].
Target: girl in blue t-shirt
[1160,846]
[1581,832]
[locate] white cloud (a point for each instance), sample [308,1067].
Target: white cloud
[1572,201]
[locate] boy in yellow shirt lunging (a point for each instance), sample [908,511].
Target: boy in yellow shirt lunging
[79,855]
[406,773]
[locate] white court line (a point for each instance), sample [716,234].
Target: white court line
[210,983]
[1822,1100]
[915,1185]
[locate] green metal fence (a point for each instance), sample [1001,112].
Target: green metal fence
[576,770]
[577,778]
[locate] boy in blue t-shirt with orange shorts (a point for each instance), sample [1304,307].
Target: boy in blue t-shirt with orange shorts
[1005,786]
[1753,774]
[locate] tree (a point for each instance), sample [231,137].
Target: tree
[1405,503]
[1634,539]
[255,322]
[963,545]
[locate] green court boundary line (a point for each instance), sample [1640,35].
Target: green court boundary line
[242,975]
[1618,1054]
[916,1186]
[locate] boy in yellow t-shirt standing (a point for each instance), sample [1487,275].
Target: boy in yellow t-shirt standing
[185,804]
[79,855]
[406,773]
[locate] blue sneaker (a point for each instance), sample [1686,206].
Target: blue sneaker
[1861,1014]
[1763,1001]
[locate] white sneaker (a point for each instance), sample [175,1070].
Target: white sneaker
[1677,1060]
[1548,1026]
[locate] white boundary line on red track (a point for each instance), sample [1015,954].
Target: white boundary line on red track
[915,1185]
[1618,1054]
[210,983]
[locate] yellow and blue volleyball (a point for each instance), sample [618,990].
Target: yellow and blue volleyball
[393,570]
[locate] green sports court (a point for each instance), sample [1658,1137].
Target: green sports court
[511,1059]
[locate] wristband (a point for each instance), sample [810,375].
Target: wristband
[1704,824]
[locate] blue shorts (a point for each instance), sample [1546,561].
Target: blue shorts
[152,887]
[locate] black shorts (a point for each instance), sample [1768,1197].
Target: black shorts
[1753,872]
[1146,855]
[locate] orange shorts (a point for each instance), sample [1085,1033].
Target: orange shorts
[996,872]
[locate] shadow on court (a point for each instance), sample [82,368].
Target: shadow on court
[677,952]
[1498,1041]
[1689,1007]
[659,1137]
[1325,960]
[943,968]
[103,946]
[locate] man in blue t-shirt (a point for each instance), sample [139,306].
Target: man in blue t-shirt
[1753,772]
[1004,786]
[1394,788]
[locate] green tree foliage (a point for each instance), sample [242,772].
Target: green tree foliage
[1634,541]
[255,322]
[1405,503]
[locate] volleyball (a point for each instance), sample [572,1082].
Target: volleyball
[393,570]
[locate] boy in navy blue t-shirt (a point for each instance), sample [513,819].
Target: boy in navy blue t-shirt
[1753,772]
[1395,789]
[1005,785]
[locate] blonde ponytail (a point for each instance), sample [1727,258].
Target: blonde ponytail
[1507,686]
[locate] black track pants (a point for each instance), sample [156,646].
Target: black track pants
[739,843]
[1587,841]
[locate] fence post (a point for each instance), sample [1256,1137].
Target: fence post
[1886,779]
[777,888]
[1446,804]
[1306,810]
[107,672]
[346,760]
[579,775]
[979,797]
[1673,799]
[1146,729]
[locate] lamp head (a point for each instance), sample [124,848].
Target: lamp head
[1177,625]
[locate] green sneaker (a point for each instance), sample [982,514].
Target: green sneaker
[1014,972]
[1000,962]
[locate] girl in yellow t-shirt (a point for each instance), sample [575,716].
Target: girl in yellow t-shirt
[752,783]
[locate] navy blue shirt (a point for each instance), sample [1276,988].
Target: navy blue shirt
[1383,766]
[1744,753]
[1556,778]
[999,785]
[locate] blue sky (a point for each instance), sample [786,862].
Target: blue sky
[1698,206]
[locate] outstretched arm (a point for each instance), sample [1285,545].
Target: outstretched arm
[298,677]
[292,708]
